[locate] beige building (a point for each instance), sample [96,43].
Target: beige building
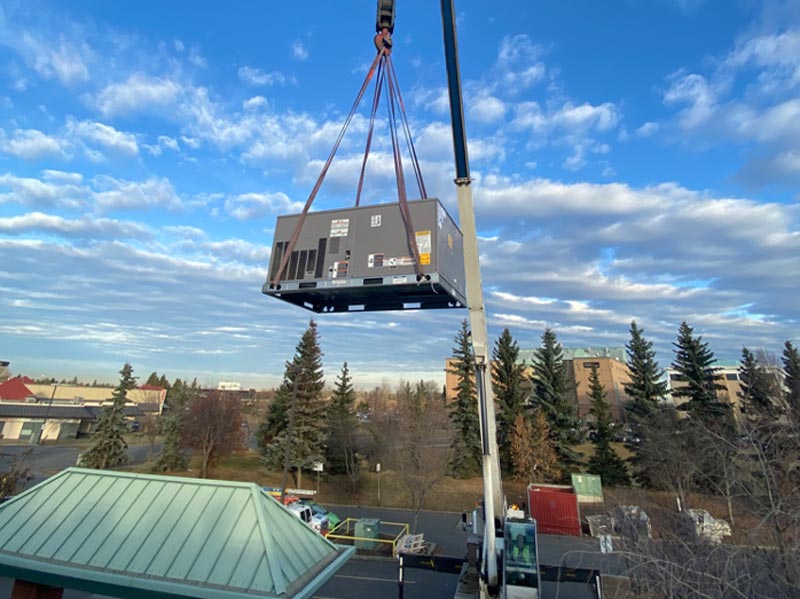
[729,379]
[610,363]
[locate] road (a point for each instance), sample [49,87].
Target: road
[45,460]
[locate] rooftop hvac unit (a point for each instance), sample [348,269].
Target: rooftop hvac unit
[361,259]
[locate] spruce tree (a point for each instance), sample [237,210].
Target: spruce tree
[342,424]
[605,462]
[152,379]
[507,377]
[464,410]
[109,448]
[756,391]
[694,364]
[791,380]
[297,426]
[552,393]
[647,389]
[172,457]
[646,386]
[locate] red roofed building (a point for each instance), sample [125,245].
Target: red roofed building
[16,389]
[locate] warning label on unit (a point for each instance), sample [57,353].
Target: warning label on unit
[399,280]
[375,261]
[340,227]
[424,246]
[375,220]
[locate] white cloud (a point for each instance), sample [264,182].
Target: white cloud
[299,51]
[56,190]
[118,194]
[248,206]
[647,129]
[84,228]
[31,144]
[487,109]
[197,59]
[255,103]
[256,77]
[518,64]
[586,116]
[60,58]
[104,135]
[138,92]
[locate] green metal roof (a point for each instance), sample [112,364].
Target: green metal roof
[137,535]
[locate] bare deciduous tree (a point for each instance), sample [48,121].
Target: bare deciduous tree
[213,426]
[423,447]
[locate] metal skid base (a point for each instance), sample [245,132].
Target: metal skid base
[369,294]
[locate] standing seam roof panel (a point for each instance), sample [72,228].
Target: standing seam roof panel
[235,545]
[183,515]
[113,542]
[103,524]
[63,530]
[209,556]
[203,529]
[147,521]
[250,568]
[151,550]
[9,531]
[45,522]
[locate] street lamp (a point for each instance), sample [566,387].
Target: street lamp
[47,414]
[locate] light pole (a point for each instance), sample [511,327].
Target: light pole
[47,414]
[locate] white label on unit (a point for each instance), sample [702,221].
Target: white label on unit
[424,242]
[399,280]
[340,227]
[375,220]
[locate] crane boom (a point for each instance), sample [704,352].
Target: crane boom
[492,487]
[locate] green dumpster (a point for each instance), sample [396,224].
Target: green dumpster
[367,528]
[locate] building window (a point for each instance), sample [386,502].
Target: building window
[732,376]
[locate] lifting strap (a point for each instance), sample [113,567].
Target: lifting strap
[293,240]
[385,74]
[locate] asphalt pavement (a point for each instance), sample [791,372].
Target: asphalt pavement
[46,460]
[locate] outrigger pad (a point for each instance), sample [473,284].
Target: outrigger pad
[359,259]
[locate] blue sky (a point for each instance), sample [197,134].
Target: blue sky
[635,159]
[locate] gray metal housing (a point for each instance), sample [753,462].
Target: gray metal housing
[360,259]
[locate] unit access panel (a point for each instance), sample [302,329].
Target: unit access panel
[360,259]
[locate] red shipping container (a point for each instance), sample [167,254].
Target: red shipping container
[555,509]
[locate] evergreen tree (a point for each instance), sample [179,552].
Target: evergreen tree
[507,377]
[756,390]
[646,386]
[791,380]
[296,426]
[694,364]
[552,393]
[109,448]
[153,379]
[163,382]
[172,457]
[340,450]
[646,389]
[467,452]
[605,462]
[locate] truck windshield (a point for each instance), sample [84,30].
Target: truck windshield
[521,564]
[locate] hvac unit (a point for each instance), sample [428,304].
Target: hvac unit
[362,259]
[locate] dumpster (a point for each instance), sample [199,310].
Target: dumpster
[555,509]
[367,528]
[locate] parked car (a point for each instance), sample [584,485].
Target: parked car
[319,510]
